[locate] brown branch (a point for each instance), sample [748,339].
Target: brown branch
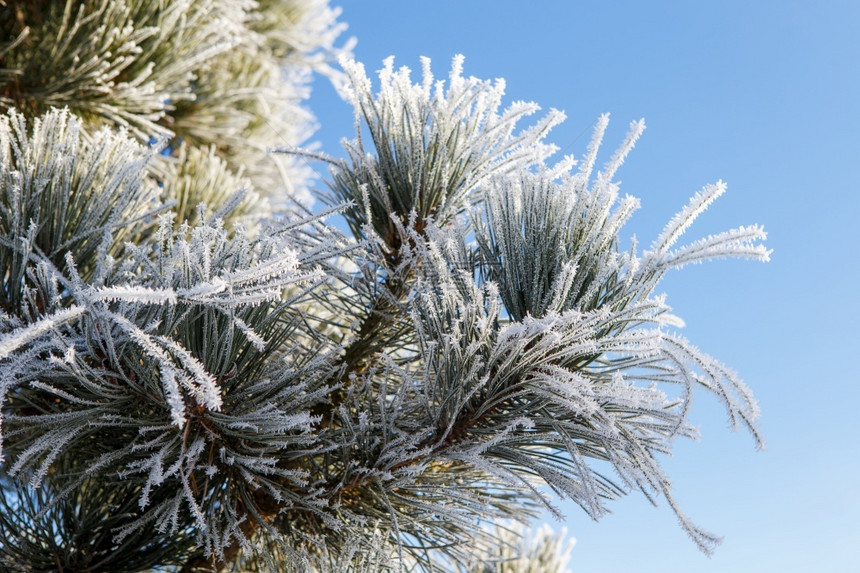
[367,340]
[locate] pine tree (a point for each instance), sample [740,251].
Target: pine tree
[199,371]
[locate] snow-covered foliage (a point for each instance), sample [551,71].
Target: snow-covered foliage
[431,145]
[234,73]
[191,375]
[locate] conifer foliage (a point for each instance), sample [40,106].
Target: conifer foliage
[199,372]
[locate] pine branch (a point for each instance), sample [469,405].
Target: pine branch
[192,376]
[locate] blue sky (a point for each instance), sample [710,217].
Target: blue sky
[766,96]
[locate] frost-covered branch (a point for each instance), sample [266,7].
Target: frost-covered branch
[194,376]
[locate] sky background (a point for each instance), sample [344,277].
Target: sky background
[765,96]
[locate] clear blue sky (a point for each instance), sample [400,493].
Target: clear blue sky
[766,96]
